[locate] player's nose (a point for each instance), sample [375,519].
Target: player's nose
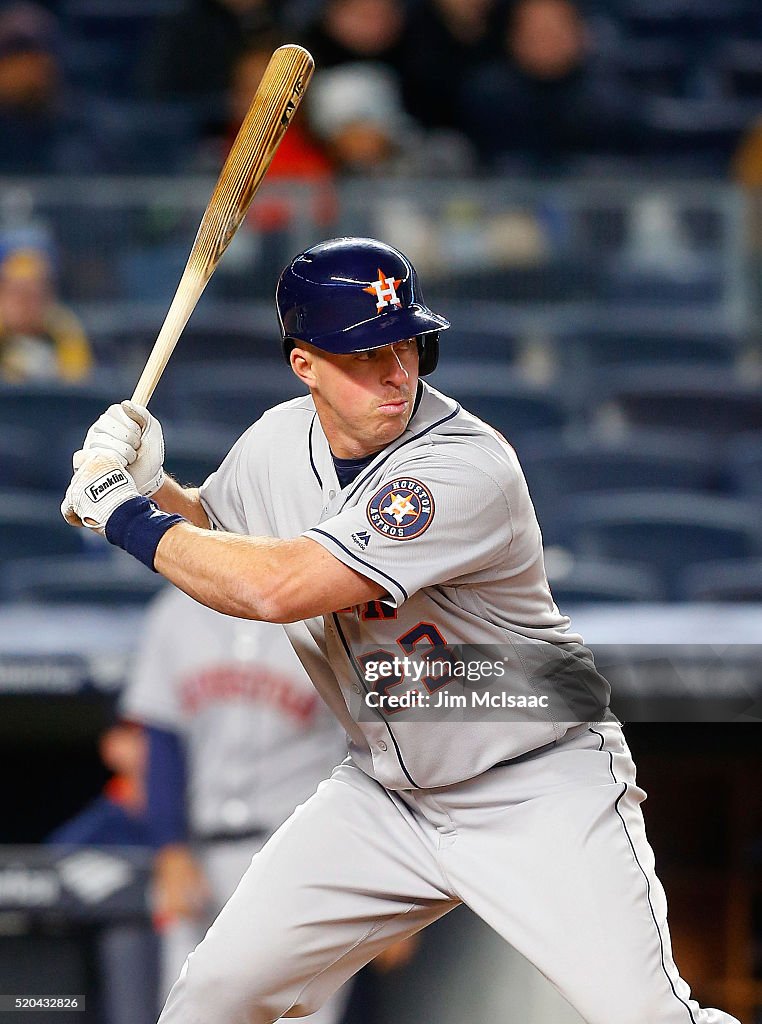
[393,371]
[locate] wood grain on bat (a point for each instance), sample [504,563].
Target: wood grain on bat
[278,96]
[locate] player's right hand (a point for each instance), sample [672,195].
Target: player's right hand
[130,432]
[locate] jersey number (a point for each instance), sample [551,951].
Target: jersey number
[424,632]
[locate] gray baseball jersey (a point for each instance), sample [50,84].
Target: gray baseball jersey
[442,519]
[258,737]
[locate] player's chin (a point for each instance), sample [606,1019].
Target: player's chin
[391,423]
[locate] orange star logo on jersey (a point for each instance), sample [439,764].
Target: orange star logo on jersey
[385,290]
[400,506]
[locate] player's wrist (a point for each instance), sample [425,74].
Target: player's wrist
[137,526]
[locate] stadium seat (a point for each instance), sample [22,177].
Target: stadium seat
[114,579]
[732,580]
[231,393]
[19,458]
[503,398]
[465,342]
[31,524]
[677,397]
[739,63]
[667,530]
[744,459]
[53,408]
[595,581]
[194,450]
[559,468]
[588,350]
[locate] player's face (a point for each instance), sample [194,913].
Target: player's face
[364,399]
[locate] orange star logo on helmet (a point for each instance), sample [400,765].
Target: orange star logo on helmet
[385,291]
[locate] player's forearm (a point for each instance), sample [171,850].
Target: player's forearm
[185,501]
[231,574]
[259,577]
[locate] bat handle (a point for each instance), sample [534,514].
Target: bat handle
[189,290]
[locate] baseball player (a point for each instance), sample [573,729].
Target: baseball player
[233,722]
[378,516]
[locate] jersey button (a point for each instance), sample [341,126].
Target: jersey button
[381,745]
[356,688]
[332,494]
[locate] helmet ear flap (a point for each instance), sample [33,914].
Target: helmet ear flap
[428,352]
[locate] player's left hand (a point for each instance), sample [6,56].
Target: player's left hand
[97,489]
[129,431]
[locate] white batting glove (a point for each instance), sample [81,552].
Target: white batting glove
[97,489]
[130,432]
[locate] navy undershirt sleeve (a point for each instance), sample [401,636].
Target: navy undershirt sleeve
[165,787]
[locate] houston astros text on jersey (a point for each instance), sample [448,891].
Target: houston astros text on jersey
[378,519]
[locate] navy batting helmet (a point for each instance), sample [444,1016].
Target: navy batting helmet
[352,295]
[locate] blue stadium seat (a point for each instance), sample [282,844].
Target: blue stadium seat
[677,397]
[596,581]
[54,408]
[230,393]
[19,458]
[733,580]
[59,416]
[503,398]
[669,531]
[116,579]
[559,468]
[194,450]
[31,524]
[744,458]
[739,64]
[586,351]
[710,127]
[464,342]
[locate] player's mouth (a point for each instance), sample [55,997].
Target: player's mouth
[394,406]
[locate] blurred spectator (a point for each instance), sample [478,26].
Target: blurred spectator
[30,84]
[444,40]
[547,98]
[193,51]
[353,30]
[40,339]
[356,110]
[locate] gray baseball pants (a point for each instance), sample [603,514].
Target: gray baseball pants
[551,852]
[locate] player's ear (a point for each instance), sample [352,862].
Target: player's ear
[301,359]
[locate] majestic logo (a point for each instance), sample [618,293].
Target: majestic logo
[402,509]
[385,290]
[104,484]
[361,539]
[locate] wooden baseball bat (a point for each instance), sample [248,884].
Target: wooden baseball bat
[277,97]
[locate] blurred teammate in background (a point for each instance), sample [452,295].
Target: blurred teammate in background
[127,951]
[40,339]
[237,737]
